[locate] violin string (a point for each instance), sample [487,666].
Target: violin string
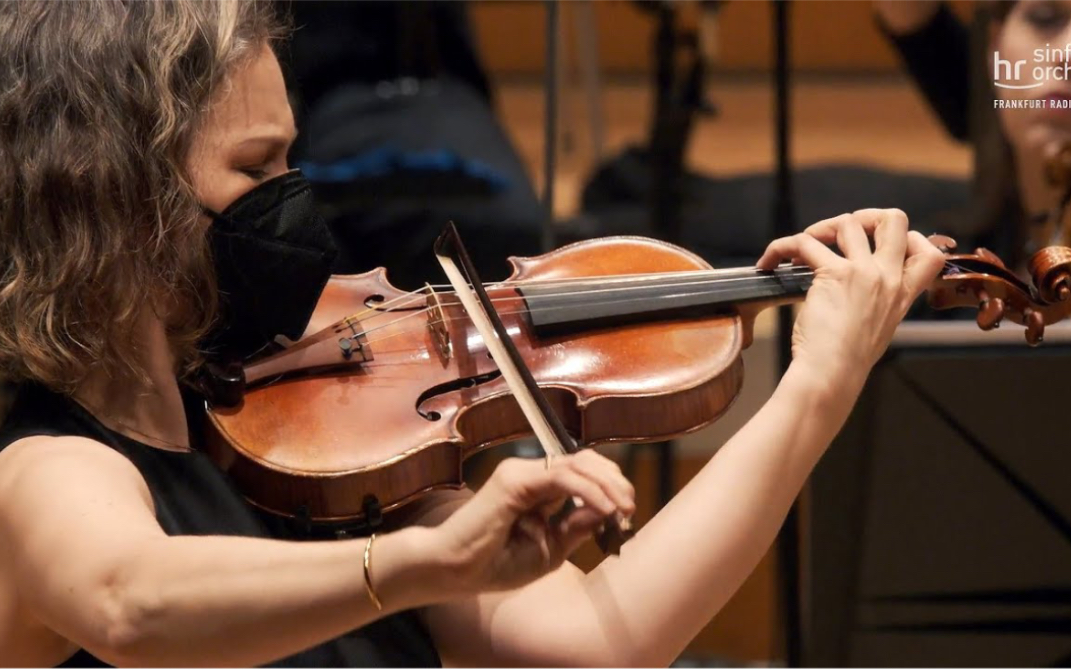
[532,310]
[623,300]
[800,271]
[572,283]
[622,278]
[378,309]
[803,270]
[754,276]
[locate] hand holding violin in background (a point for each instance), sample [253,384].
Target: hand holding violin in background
[856,300]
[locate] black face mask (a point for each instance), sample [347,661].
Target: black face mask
[273,254]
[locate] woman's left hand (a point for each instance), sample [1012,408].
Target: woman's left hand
[856,300]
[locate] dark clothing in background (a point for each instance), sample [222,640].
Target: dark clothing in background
[393,220]
[193,497]
[368,42]
[948,60]
[394,103]
[938,58]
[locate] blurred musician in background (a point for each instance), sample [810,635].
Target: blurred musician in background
[398,134]
[1031,116]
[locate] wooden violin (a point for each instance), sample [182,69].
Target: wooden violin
[629,339]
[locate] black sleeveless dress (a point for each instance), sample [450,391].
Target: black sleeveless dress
[193,497]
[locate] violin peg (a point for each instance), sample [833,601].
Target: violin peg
[1061,288]
[990,311]
[942,242]
[989,257]
[1035,327]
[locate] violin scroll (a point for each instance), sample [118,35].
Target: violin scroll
[982,280]
[1050,270]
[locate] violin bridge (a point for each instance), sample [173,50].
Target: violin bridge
[437,324]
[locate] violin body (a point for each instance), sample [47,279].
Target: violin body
[627,338]
[418,392]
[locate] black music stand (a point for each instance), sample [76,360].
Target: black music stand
[940,519]
[788,540]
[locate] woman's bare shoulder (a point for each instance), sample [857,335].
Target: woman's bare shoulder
[48,455]
[24,640]
[40,473]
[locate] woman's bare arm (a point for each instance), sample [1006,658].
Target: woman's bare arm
[90,561]
[642,608]
[91,564]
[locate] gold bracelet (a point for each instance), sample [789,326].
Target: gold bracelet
[368,573]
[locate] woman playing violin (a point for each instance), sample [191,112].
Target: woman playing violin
[143,182]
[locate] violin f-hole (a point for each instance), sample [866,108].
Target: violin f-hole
[451,386]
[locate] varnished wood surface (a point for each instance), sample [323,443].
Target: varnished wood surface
[386,422]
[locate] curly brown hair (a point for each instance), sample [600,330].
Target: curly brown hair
[99,104]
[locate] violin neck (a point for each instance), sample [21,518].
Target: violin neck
[563,308]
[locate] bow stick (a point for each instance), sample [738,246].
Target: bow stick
[546,425]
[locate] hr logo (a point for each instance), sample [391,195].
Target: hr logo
[1048,64]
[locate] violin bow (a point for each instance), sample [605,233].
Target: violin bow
[545,423]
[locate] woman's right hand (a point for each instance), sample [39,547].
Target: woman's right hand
[507,534]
